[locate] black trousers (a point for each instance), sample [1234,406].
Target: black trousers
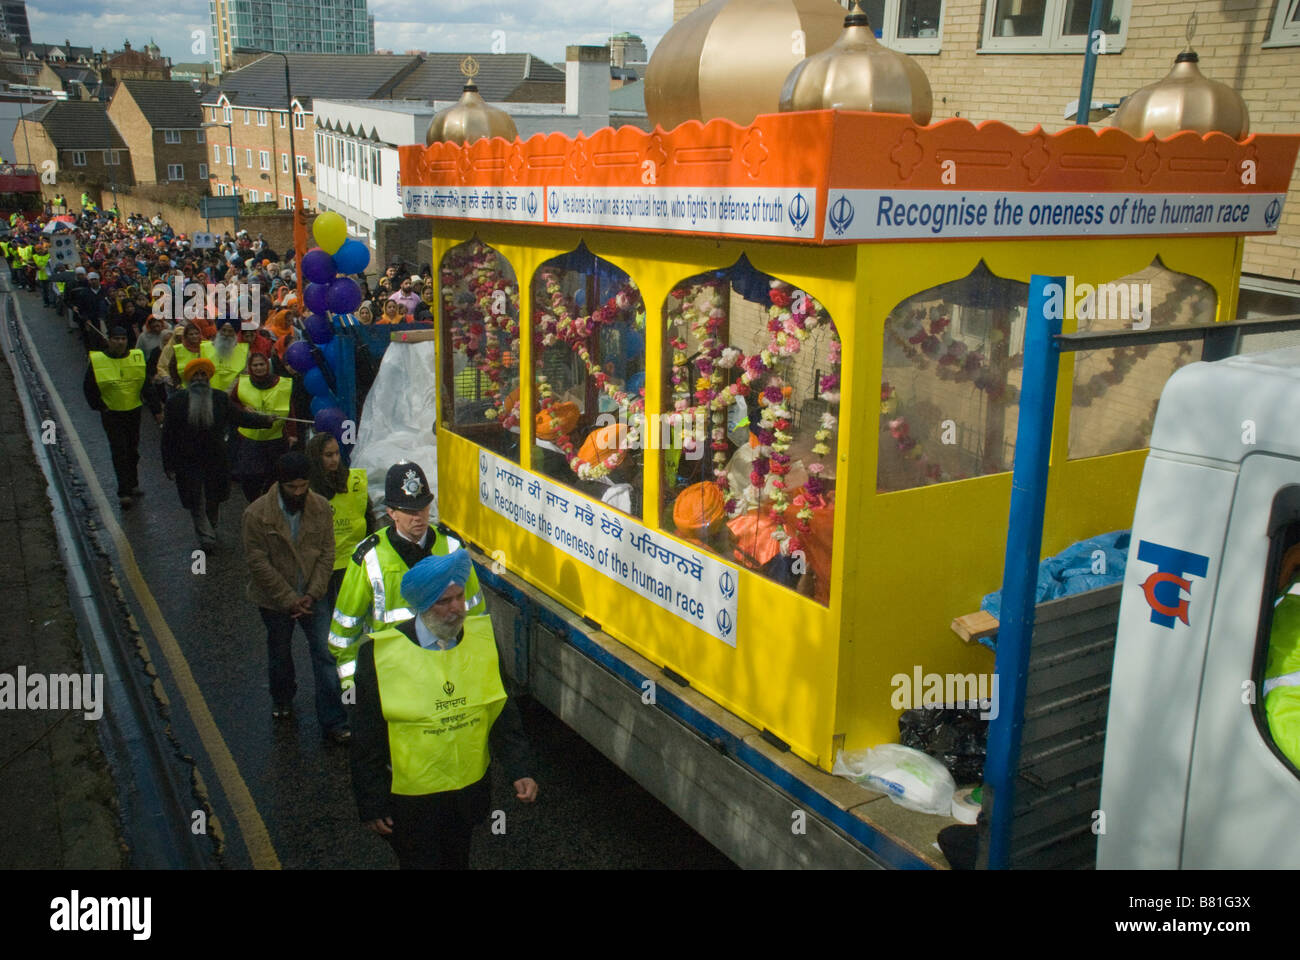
[122,428]
[432,832]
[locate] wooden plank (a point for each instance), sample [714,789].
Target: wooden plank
[975,626]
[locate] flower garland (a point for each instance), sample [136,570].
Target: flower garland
[473,287]
[555,321]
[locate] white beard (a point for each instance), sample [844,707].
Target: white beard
[200,410]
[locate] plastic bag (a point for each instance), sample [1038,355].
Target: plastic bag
[910,778]
[957,738]
[398,420]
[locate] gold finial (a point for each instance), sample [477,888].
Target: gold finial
[1191,29]
[469,67]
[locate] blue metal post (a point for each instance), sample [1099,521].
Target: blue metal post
[1089,65]
[1020,572]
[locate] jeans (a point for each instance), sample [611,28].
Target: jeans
[279,633]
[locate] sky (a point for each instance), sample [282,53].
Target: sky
[541,27]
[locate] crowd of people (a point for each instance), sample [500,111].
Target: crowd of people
[231,410]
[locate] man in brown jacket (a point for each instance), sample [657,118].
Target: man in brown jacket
[289,548]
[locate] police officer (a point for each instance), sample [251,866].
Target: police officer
[371,595]
[432,713]
[116,385]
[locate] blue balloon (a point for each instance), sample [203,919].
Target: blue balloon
[318,266]
[352,257]
[319,329]
[330,420]
[314,381]
[316,297]
[322,403]
[331,352]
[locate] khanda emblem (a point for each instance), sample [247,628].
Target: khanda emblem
[1273,212]
[449,688]
[798,211]
[841,214]
[531,204]
[554,204]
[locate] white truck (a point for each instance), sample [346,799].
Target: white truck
[1191,777]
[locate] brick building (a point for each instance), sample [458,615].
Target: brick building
[249,122]
[79,137]
[1020,61]
[162,124]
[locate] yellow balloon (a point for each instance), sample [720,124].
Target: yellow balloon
[330,230]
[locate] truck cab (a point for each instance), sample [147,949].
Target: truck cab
[1192,776]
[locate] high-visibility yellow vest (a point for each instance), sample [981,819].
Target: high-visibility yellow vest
[184,356]
[349,516]
[440,706]
[25,253]
[42,263]
[119,378]
[1282,678]
[274,402]
[233,366]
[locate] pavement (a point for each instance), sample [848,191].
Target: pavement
[277,794]
[58,798]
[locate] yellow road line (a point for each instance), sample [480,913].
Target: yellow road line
[251,825]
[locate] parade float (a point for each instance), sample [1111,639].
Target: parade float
[742,391]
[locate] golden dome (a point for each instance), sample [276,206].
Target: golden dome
[730,57]
[1184,100]
[859,73]
[469,118]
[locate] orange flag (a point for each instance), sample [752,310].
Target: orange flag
[299,242]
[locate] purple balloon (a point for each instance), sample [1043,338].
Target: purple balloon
[299,356]
[344,295]
[318,266]
[318,329]
[316,297]
[330,420]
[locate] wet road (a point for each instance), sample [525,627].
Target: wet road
[282,778]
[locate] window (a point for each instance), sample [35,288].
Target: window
[230,156]
[915,26]
[221,189]
[351,166]
[264,159]
[375,166]
[246,116]
[302,165]
[261,118]
[288,201]
[1277,659]
[226,114]
[300,121]
[1051,26]
[248,157]
[78,158]
[112,158]
[365,163]
[171,136]
[203,171]
[216,153]
[284,163]
[175,171]
[1286,25]
[200,136]
[282,119]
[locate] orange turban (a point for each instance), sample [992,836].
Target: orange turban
[195,365]
[557,419]
[512,401]
[604,442]
[698,511]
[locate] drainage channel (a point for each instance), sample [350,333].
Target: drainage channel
[154,778]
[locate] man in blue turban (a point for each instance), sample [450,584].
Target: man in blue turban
[432,713]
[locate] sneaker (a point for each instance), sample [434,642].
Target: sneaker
[282,711]
[340,738]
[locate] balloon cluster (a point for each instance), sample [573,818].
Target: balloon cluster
[317,358]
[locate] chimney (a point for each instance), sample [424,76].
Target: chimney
[586,86]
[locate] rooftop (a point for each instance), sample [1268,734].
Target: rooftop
[260,84]
[500,76]
[166,103]
[78,125]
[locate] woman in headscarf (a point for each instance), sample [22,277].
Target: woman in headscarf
[394,312]
[253,451]
[346,491]
[366,313]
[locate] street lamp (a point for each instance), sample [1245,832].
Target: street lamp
[230,137]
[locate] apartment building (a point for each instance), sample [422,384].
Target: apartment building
[289,26]
[79,137]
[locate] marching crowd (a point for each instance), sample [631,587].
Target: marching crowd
[393,614]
